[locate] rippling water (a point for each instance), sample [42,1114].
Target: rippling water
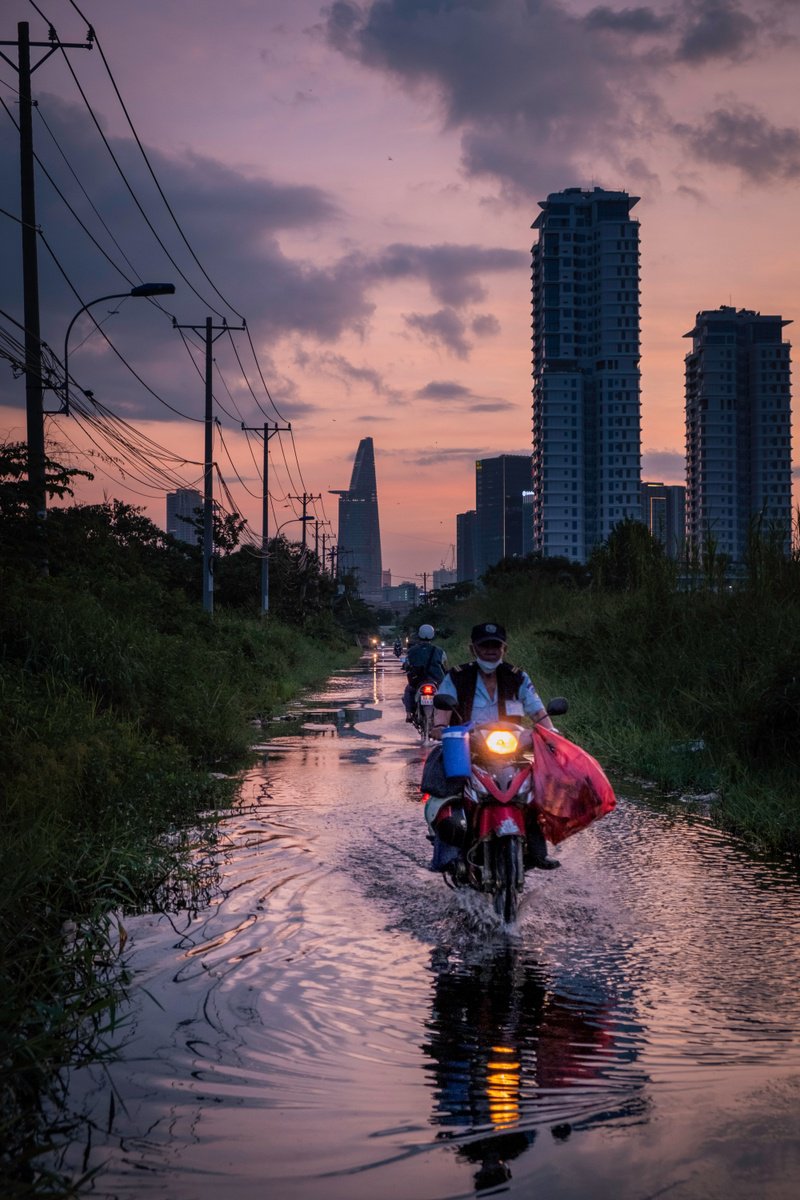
[336,1023]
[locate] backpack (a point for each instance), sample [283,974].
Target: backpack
[424,662]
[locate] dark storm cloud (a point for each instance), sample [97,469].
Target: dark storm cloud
[628,20]
[452,272]
[443,328]
[717,29]
[233,222]
[531,87]
[527,73]
[742,137]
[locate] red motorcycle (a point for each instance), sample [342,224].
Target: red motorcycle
[503,788]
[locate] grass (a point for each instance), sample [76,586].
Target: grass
[697,691]
[116,700]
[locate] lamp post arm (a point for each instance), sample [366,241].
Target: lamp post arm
[99,300]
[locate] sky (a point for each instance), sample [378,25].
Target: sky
[358,181]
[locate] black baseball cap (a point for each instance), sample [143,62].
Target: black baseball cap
[488,632]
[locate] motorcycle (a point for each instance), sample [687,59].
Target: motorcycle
[481,830]
[424,701]
[398,648]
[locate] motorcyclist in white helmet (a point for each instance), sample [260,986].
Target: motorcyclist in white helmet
[424,662]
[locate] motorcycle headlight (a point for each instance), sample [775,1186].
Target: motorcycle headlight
[501,741]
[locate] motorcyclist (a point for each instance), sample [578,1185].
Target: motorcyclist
[425,661]
[398,648]
[490,689]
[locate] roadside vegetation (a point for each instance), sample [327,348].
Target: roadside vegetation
[123,708]
[672,672]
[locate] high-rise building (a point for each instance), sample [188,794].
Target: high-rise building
[586,410]
[443,577]
[465,546]
[664,514]
[182,508]
[527,523]
[499,484]
[359,525]
[738,430]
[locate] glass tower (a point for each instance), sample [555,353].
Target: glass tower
[738,431]
[586,405]
[359,525]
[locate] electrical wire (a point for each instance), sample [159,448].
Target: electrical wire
[255,495]
[91,36]
[130,190]
[89,200]
[153,176]
[111,345]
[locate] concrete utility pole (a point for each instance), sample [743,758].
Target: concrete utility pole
[317,526]
[305,498]
[30,262]
[268,432]
[423,575]
[208,458]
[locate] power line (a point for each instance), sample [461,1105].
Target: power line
[152,172]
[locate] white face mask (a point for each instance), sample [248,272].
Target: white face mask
[488,667]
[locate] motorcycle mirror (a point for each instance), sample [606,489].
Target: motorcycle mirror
[557,707]
[444,702]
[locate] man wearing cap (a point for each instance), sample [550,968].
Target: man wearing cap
[490,689]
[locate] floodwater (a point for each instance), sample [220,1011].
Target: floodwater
[332,1023]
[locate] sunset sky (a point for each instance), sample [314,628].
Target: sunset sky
[358,180]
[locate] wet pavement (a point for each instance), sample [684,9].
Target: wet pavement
[330,1022]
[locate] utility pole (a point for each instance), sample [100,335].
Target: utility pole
[30,262]
[317,526]
[208,456]
[423,575]
[306,496]
[267,433]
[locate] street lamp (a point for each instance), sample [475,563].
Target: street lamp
[142,289]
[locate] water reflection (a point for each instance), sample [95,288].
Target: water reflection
[511,1053]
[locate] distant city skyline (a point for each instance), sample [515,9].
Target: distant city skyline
[358,182]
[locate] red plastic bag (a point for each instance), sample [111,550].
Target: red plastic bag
[569,786]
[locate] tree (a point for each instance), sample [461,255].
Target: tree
[629,560]
[17,522]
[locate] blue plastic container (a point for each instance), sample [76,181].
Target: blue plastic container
[455,751]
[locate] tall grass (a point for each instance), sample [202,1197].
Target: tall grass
[693,689]
[116,697]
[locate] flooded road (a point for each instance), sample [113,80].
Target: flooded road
[334,1024]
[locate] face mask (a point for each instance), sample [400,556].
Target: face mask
[488,667]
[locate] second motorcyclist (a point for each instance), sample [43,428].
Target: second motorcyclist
[425,661]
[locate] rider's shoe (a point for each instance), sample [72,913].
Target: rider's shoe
[545,864]
[409,718]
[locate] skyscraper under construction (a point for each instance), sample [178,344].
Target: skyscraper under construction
[359,525]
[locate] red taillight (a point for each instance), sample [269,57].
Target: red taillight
[428,689]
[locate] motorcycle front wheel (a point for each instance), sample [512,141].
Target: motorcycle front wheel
[509,876]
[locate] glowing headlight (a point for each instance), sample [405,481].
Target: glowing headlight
[500,741]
